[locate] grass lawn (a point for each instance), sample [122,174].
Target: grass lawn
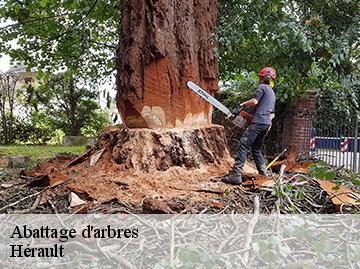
[39,152]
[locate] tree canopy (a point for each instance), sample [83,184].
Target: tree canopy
[76,35]
[312,44]
[67,106]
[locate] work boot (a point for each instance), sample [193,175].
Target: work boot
[232,178]
[262,171]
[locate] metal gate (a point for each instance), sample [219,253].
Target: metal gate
[337,143]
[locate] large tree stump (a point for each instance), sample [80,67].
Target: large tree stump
[146,150]
[163,44]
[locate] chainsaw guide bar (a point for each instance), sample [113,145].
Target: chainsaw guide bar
[240,120]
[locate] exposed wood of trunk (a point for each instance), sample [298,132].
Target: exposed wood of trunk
[146,150]
[164,44]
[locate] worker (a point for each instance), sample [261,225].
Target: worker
[254,135]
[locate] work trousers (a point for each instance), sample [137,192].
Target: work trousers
[253,138]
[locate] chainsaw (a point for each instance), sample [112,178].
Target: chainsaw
[237,116]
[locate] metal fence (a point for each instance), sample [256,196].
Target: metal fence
[337,143]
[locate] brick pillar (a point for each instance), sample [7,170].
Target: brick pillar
[298,124]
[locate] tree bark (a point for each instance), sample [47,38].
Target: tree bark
[164,44]
[149,151]
[8,94]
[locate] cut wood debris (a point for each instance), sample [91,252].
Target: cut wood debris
[44,175]
[259,181]
[340,195]
[107,179]
[75,200]
[96,157]
[81,157]
[6,185]
[192,189]
[291,163]
[55,176]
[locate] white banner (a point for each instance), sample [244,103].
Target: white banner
[179,241]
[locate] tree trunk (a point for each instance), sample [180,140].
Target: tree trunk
[5,129]
[74,120]
[163,45]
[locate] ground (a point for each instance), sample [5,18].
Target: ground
[39,152]
[69,184]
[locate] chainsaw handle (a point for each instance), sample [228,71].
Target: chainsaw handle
[230,116]
[235,111]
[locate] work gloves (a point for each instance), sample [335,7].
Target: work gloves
[235,111]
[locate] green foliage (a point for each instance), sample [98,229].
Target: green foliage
[63,103]
[9,94]
[36,131]
[339,101]
[57,138]
[76,35]
[238,90]
[98,121]
[310,43]
[321,170]
[348,179]
[356,181]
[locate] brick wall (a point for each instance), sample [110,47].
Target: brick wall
[298,124]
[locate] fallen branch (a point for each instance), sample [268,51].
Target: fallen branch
[31,208]
[250,229]
[23,199]
[216,191]
[81,157]
[31,195]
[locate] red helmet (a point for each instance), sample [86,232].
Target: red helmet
[268,71]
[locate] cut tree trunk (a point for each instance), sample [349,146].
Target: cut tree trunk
[164,44]
[169,150]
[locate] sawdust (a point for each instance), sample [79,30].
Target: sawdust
[102,186]
[169,185]
[107,181]
[125,181]
[132,168]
